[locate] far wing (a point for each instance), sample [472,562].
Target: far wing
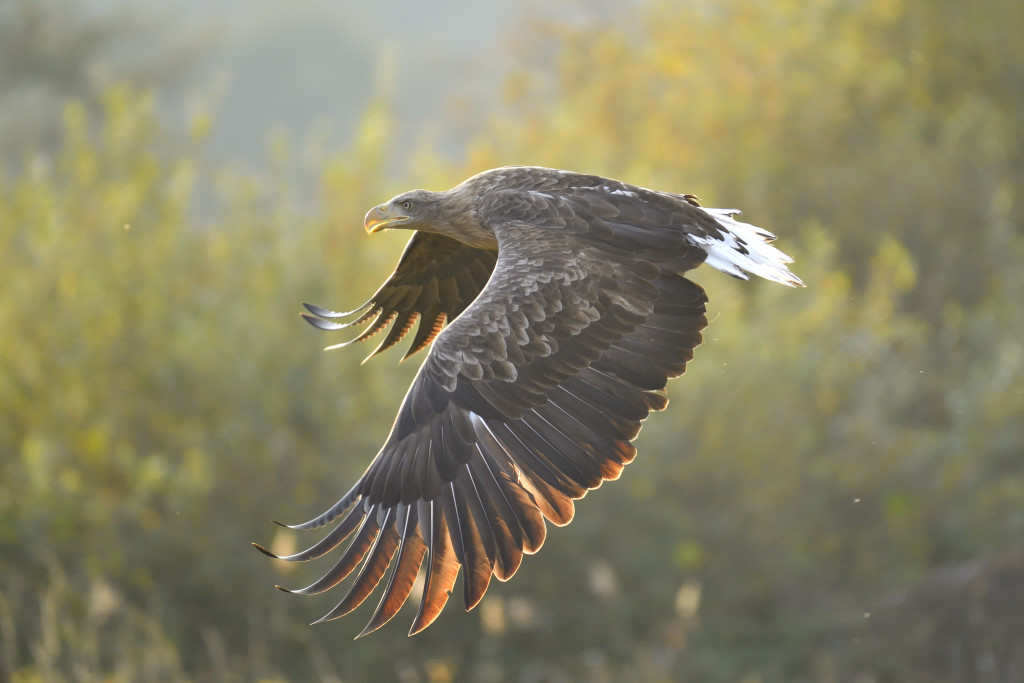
[436,278]
[524,403]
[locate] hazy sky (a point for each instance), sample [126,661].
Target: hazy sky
[290,65]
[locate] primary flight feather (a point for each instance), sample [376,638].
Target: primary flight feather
[555,309]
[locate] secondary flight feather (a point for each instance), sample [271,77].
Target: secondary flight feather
[555,309]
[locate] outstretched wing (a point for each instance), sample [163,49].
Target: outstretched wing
[436,278]
[524,403]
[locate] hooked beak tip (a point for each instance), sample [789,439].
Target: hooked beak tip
[378,219]
[375,220]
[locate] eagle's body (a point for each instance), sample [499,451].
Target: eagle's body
[567,313]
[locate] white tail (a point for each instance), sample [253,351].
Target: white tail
[744,248]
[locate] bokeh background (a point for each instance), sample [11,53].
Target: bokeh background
[836,492]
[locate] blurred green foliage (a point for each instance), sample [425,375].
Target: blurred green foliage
[828,450]
[53,51]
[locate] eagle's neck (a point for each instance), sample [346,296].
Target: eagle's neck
[459,220]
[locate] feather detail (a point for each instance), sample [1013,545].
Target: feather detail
[411,552]
[740,248]
[441,572]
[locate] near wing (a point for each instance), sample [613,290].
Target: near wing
[436,278]
[526,401]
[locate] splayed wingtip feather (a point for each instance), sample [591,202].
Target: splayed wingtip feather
[265,551]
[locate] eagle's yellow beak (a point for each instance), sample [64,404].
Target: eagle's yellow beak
[380,217]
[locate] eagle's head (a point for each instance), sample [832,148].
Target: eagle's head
[413,210]
[448,213]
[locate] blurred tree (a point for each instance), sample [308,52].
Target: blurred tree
[55,51]
[827,451]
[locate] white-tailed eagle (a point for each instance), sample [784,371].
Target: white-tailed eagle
[556,310]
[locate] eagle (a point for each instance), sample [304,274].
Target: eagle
[556,309]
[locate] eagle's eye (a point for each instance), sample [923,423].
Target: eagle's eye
[406,205]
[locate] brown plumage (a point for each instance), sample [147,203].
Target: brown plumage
[566,314]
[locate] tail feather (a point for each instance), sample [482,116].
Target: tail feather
[742,248]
